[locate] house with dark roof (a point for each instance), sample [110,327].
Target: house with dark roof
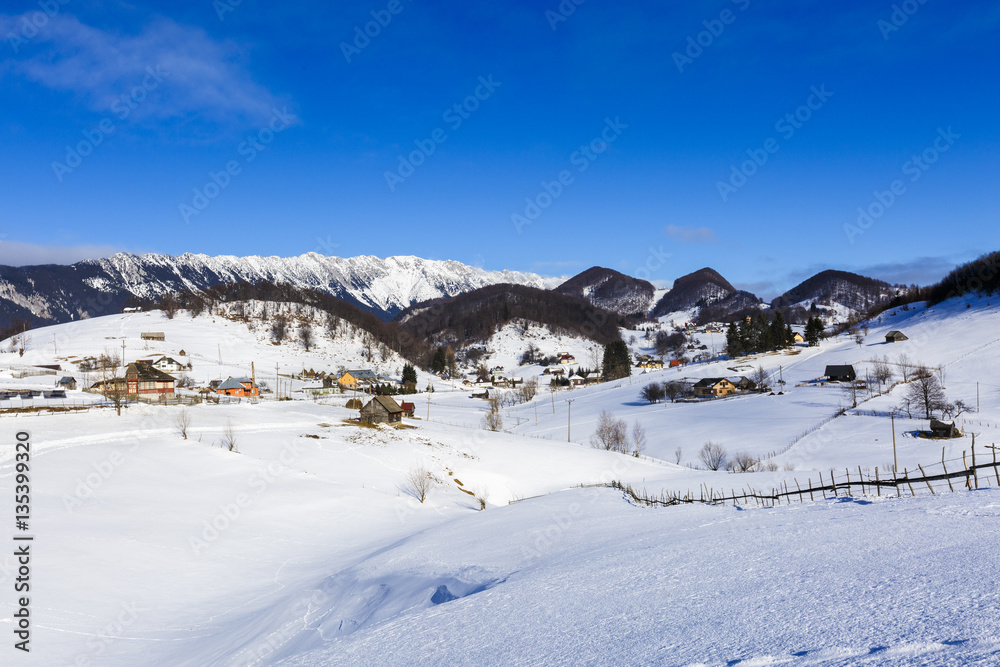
[168,365]
[895,337]
[67,383]
[713,387]
[241,386]
[843,373]
[147,383]
[381,410]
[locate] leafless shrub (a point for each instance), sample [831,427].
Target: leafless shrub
[182,422]
[638,439]
[417,483]
[713,455]
[743,462]
[611,433]
[677,455]
[482,494]
[229,440]
[492,420]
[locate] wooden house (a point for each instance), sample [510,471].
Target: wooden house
[844,373]
[168,365]
[67,383]
[895,337]
[674,363]
[152,335]
[408,409]
[798,338]
[714,387]
[381,410]
[147,383]
[942,429]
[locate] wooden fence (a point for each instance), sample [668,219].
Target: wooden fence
[946,475]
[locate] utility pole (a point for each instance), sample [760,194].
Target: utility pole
[895,461]
[123,355]
[253,379]
[569,414]
[276,381]
[428,406]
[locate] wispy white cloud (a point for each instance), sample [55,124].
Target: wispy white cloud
[17,253]
[690,234]
[201,77]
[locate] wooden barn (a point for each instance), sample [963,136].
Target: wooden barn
[895,337]
[381,410]
[844,373]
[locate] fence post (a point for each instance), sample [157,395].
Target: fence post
[945,467]
[906,476]
[995,471]
[965,464]
[822,485]
[800,490]
[926,481]
[878,486]
[848,473]
[862,478]
[833,484]
[975,473]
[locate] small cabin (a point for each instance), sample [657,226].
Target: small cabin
[844,373]
[408,409]
[381,410]
[895,337]
[714,387]
[153,335]
[942,429]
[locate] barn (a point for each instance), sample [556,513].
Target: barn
[381,410]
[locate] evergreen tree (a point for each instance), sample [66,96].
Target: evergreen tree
[734,342]
[778,338]
[616,361]
[440,360]
[409,375]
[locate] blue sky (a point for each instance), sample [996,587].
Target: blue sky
[534,136]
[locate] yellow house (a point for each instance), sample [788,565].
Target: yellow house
[798,338]
[714,387]
[358,380]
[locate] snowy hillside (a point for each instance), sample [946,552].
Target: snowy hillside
[99,287]
[309,547]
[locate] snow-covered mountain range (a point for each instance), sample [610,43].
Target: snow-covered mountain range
[385,286]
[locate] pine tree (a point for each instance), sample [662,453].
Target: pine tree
[440,360]
[734,342]
[616,361]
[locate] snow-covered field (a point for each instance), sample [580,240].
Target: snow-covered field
[306,547]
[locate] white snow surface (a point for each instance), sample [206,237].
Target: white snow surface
[306,548]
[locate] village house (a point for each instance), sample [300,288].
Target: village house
[241,386]
[152,335]
[943,429]
[381,410]
[798,338]
[168,365]
[895,337]
[408,409]
[714,387]
[147,383]
[676,363]
[67,383]
[844,373]
[357,380]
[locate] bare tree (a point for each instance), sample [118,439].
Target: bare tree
[851,392]
[492,420]
[611,433]
[743,462]
[652,392]
[418,483]
[905,364]
[713,455]
[114,389]
[673,390]
[859,338]
[638,439]
[926,393]
[677,455]
[306,335]
[182,422]
[229,437]
[279,328]
[882,371]
[761,378]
